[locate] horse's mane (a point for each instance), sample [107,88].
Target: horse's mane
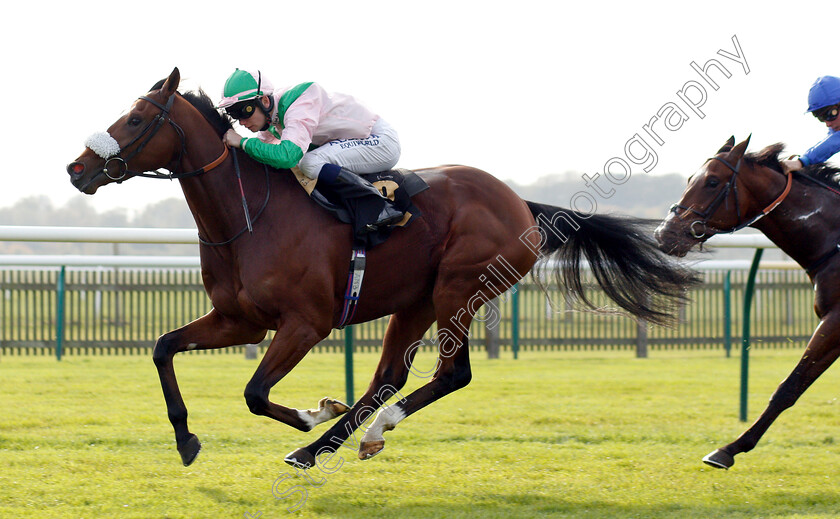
[202,102]
[769,157]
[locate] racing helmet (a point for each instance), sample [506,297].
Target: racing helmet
[243,85]
[824,92]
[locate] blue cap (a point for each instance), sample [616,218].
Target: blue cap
[824,92]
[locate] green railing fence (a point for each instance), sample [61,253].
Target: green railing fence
[124,310]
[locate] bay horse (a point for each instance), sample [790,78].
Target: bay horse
[289,273]
[796,211]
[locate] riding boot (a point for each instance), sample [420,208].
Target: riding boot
[370,209]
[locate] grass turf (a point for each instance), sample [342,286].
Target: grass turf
[583,435]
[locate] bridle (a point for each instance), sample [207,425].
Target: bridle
[149,131]
[731,186]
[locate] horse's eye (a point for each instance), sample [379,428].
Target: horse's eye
[712,182]
[134,121]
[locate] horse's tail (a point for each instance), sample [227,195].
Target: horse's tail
[621,254]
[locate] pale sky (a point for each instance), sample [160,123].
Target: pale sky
[520,89]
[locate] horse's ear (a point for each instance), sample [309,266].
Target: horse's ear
[739,150]
[170,86]
[728,145]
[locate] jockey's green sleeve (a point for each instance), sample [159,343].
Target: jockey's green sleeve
[283,155]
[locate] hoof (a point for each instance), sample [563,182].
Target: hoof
[300,459]
[719,459]
[336,408]
[368,450]
[189,450]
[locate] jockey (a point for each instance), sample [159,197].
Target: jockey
[329,137]
[824,103]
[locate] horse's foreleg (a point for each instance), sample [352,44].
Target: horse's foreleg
[823,349]
[208,332]
[404,328]
[291,343]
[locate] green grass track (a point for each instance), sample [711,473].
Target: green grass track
[577,435]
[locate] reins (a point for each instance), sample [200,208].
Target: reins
[817,182]
[248,220]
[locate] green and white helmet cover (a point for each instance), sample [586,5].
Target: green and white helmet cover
[243,85]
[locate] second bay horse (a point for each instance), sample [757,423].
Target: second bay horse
[798,212]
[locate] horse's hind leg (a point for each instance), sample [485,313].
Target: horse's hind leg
[208,332]
[451,373]
[390,376]
[823,349]
[458,294]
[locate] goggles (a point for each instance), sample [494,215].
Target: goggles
[827,114]
[244,109]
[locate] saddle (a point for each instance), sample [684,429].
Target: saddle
[398,185]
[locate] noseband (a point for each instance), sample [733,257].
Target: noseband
[731,186]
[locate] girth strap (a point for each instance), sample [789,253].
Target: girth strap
[354,286]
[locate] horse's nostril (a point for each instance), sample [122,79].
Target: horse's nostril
[75,168]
